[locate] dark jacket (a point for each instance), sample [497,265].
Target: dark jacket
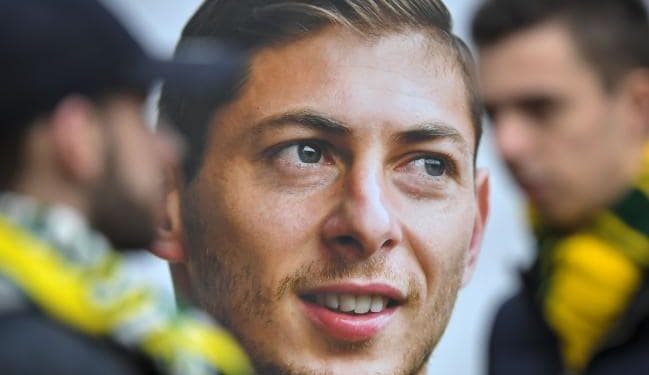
[32,344]
[521,342]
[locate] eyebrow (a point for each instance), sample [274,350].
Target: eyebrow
[306,119]
[430,131]
[423,132]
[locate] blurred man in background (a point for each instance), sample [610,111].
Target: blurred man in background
[336,209]
[80,173]
[566,85]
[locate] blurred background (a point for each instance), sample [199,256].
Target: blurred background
[507,245]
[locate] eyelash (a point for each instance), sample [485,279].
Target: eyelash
[451,168]
[273,151]
[449,162]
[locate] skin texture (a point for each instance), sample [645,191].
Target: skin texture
[262,226]
[571,144]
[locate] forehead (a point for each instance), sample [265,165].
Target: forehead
[391,81]
[543,58]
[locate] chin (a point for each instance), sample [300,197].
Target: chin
[562,219]
[324,367]
[334,357]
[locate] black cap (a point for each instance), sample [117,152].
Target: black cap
[53,48]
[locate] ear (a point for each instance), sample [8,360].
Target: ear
[636,88]
[169,244]
[480,222]
[78,139]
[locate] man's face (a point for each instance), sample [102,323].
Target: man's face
[336,211]
[564,137]
[128,197]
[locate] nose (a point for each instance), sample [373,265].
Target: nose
[512,135]
[363,223]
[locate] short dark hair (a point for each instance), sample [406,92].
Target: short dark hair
[256,24]
[611,35]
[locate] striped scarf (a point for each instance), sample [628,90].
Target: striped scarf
[586,280]
[50,257]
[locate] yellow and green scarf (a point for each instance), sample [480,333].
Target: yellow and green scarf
[50,256]
[586,280]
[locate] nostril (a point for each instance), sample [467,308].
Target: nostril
[387,244]
[346,240]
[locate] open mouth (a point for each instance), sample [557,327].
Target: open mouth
[350,312]
[351,304]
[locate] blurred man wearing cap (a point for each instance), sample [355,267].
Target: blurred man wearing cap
[80,173]
[566,84]
[336,209]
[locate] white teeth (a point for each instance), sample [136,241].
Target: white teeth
[362,304]
[347,302]
[331,301]
[378,304]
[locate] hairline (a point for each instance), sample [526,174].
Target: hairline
[566,19]
[456,55]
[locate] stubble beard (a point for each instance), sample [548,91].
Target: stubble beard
[218,287]
[125,221]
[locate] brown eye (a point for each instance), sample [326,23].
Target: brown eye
[309,154]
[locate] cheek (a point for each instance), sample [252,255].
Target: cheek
[278,221]
[584,128]
[270,234]
[440,238]
[137,165]
[582,152]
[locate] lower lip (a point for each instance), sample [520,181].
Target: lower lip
[348,327]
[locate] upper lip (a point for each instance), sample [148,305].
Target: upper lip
[374,288]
